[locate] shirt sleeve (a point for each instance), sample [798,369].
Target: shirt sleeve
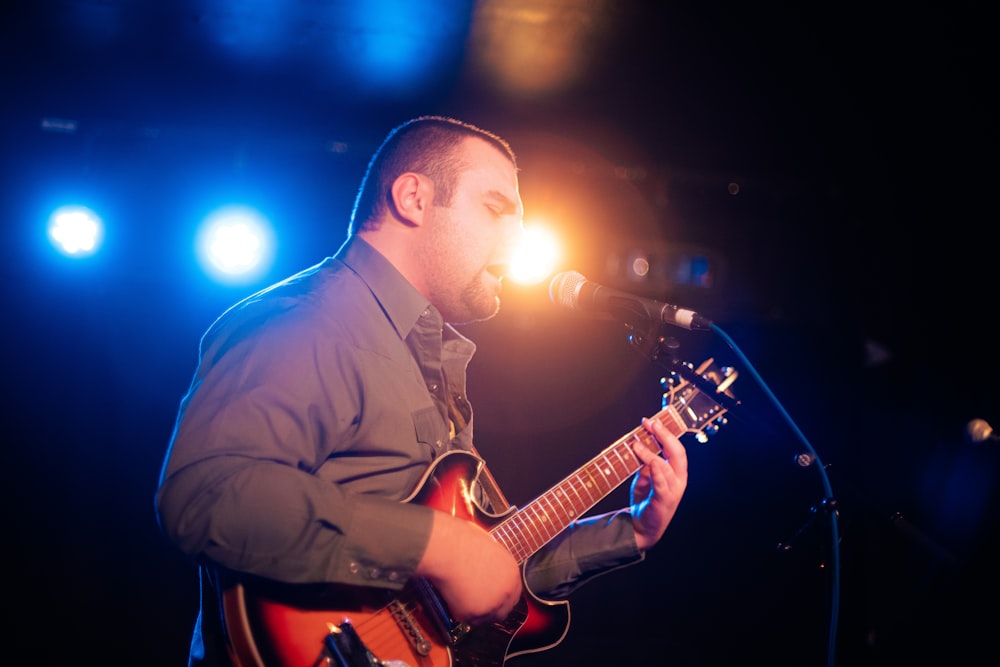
[241,488]
[589,548]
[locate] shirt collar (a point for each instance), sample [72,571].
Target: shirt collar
[400,300]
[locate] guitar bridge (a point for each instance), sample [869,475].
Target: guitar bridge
[404,619]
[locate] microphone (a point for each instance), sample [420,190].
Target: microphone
[979,430]
[572,290]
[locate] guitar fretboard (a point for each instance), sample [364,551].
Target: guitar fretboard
[533,526]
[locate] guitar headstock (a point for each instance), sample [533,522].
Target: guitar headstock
[700,396]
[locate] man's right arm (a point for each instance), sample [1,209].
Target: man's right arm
[243,486]
[476,575]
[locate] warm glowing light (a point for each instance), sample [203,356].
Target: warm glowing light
[536,257]
[531,47]
[640,266]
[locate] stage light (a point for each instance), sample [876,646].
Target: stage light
[235,245]
[76,231]
[536,256]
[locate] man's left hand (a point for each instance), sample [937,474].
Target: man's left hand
[658,485]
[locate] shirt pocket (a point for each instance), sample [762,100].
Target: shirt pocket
[430,430]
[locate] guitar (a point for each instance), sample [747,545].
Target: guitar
[347,626]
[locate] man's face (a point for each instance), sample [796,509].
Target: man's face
[472,240]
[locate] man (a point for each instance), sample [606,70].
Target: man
[320,403]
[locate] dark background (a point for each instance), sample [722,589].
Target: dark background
[853,275]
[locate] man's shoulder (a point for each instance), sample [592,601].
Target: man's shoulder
[325,301]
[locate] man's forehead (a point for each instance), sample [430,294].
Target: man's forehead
[481,152]
[492,171]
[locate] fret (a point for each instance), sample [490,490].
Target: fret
[638,438]
[607,469]
[596,472]
[526,525]
[580,505]
[678,425]
[568,514]
[626,469]
[548,515]
[587,484]
[583,485]
[647,441]
[537,521]
[558,510]
[506,532]
[516,524]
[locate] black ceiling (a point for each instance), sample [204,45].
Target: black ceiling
[722,87]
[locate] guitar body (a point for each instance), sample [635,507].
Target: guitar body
[276,625]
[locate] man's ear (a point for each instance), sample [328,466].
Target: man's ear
[412,195]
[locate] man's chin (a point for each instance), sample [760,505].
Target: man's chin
[477,312]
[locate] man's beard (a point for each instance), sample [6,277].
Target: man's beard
[477,303]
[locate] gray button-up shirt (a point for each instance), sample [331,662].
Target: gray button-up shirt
[317,405]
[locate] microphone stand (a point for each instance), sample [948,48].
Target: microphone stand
[663,351]
[823,507]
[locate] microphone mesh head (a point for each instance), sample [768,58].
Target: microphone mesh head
[564,288]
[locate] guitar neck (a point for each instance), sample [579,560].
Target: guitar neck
[533,526]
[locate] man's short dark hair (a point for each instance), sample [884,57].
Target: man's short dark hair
[425,145]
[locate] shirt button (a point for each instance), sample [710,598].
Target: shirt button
[393,576]
[438,443]
[374,573]
[353,568]
[433,386]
